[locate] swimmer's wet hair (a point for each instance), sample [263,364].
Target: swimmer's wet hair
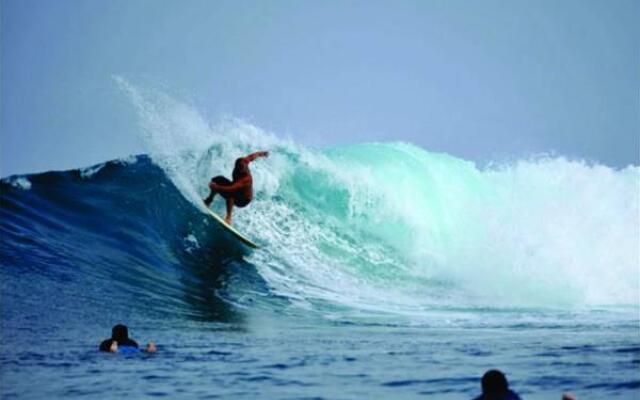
[120,332]
[494,382]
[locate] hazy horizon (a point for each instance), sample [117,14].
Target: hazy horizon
[482,81]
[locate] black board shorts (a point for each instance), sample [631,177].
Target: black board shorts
[239,199]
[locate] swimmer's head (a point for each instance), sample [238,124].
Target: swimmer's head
[120,333]
[494,382]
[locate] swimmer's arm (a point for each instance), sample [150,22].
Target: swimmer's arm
[106,345]
[255,155]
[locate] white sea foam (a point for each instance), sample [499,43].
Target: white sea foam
[132,159]
[191,243]
[86,173]
[394,228]
[20,183]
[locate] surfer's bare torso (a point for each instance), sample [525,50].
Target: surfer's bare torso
[239,191]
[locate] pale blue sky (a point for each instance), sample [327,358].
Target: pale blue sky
[482,80]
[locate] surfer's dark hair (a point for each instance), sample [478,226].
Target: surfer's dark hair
[240,169]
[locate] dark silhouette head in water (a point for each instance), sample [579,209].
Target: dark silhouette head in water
[120,341]
[119,337]
[120,333]
[496,387]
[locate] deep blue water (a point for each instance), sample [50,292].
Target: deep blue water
[83,250]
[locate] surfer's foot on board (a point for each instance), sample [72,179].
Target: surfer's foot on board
[227,219]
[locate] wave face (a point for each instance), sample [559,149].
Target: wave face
[368,228]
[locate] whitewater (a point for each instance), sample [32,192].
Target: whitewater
[398,222]
[385,270]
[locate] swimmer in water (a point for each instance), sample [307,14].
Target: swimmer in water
[120,342]
[238,192]
[496,387]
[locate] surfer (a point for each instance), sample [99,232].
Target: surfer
[238,192]
[121,343]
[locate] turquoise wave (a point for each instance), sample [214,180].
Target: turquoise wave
[392,227]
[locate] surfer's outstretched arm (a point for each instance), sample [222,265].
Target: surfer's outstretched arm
[255,155]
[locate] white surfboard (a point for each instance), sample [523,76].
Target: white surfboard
[233,230]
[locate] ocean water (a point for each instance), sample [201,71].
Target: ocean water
[386,271]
